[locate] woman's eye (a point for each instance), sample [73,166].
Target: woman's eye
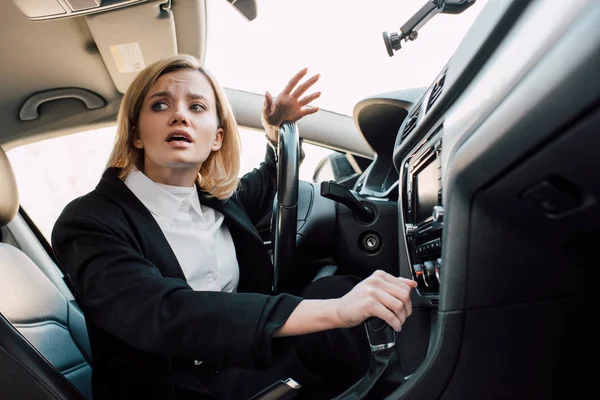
[159,106]
[197,107]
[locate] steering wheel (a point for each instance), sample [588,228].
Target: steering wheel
[285,208]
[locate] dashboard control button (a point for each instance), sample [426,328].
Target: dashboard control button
[418,268]
[429,267]
[438,214]
[410,230]
[438,266]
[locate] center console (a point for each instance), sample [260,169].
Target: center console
[423,212]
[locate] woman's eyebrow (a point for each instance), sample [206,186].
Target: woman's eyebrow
[166,93]
[161,94]
[195,96]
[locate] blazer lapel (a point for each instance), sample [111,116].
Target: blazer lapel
[256,270]
[233,213]
[114,188]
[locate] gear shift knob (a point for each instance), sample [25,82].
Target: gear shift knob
[382,339]
[381,336]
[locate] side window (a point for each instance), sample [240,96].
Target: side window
[52,172]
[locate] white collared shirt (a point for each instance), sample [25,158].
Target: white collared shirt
[196,233]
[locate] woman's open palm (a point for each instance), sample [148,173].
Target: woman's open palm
[290,104]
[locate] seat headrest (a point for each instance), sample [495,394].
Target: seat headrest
[9,195]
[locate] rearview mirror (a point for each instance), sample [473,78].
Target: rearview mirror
[246,7]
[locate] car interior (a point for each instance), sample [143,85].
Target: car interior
[480,186]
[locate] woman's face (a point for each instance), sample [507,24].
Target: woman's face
[178,127]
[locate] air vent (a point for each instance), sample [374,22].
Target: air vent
[438,86]
[411,123]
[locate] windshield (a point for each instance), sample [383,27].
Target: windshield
[340,39]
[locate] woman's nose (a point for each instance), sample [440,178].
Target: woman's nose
[178,117]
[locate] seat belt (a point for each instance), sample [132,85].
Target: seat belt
[382,340]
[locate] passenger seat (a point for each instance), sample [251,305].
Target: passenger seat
[43,337]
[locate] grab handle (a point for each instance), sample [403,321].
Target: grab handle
[29,110]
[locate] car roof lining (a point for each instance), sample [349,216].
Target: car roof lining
[75,53]
[64,53]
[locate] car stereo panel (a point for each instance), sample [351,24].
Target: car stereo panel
[423,212]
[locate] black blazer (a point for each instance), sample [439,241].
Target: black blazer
[145,324]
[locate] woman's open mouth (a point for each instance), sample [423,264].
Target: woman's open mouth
[179,139]
[179,136]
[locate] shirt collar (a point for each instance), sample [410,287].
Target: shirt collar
[157,199]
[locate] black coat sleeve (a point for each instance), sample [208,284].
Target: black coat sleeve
[124,294]
[258,188]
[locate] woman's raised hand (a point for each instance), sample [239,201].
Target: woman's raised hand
[380,295]
[290,105]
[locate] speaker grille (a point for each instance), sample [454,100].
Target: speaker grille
[78,5]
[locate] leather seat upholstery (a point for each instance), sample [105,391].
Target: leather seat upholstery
[43,337]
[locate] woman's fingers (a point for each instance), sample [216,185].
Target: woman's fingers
[294,81]
[401,293]
[308,110]
[392,303]
[288,105]
[406,284]
[398,281]
[268,104]
[381,311]
[299,91]
[309,98]
[393,293]
[380,295]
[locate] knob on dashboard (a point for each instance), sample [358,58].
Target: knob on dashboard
[438,214]
[411,230]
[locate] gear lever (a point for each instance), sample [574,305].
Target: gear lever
[381,336]
[382,340]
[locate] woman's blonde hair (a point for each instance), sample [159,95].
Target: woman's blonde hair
[218,175]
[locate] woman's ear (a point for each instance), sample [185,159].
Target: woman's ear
[218,141]
[137,140]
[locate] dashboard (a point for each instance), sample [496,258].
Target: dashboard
[408,129]
[379,118]
[498,206]
[413,181]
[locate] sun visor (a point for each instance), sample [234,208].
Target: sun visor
[131,38]
[56,9]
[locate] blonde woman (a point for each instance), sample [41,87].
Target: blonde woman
[169,269]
